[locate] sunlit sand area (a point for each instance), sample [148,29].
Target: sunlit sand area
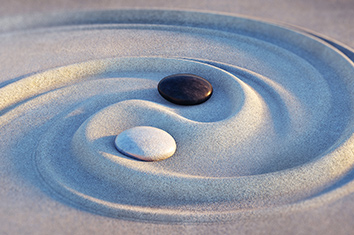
[210,118]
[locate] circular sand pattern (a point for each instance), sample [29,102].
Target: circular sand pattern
[277,130]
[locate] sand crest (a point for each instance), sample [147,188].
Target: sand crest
[276,131]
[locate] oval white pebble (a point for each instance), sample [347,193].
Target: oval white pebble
[146,143]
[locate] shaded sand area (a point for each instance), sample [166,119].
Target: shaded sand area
[276,136]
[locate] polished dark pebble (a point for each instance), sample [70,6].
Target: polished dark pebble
[185,89]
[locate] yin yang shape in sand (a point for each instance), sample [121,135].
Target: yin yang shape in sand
[277,131]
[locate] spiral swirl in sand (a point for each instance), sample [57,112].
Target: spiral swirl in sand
[277,130]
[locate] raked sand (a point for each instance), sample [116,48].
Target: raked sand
[276,136]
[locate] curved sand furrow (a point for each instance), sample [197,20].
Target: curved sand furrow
[277,129]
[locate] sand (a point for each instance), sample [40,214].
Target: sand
[274,139]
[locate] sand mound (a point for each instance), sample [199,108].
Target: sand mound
[276,131]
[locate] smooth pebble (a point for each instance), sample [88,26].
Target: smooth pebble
[146,143]
[185,89]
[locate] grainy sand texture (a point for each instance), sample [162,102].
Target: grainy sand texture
[274,141]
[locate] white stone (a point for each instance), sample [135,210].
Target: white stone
[146,143]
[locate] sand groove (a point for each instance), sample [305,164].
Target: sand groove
[276,131]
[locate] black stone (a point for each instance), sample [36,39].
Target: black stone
[185,89]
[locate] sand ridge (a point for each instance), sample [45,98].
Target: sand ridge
[276,130]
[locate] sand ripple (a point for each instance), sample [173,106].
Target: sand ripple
[273,133]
